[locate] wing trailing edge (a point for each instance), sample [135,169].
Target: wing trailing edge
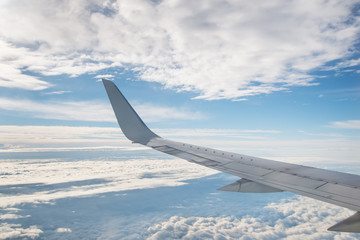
[247,186]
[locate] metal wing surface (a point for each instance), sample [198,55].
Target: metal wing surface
[257,174]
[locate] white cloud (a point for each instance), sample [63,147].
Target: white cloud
[62,230]
[79,110]
[309,148]
[104,76]
[298,218]
[349,124]
[139,174]
[12,216]
[345,64]
[57,92]
[9,231]
[248,134]
[93,111]
[61,138]
[217,49]
[153,113]
[13,78]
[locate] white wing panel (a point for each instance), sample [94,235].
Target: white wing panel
[341,190]
[245,168]
[280,177]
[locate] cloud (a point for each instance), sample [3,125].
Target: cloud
[297,218]
[349,124]
[14,78]
[93,111]
[104,76]
[9,231]
[38,180]
[61,110]
[61,138]
[306,148]
[12,216]
[153,113]
[218,50]
[62,230]
[345,64]
[57,92]
[248,134]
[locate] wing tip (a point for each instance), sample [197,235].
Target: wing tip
[129,121]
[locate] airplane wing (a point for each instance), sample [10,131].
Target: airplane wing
[257,175]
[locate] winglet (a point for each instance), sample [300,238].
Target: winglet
[129,121]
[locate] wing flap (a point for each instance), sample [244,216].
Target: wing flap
[248,186]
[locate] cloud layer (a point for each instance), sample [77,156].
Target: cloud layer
[298,218]
[304,148]
[217,49]
[38,169]
[87,177]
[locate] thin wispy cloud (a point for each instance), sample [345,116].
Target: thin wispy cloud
[12,77]
[217,50]
[92,110]
[349,124]
[57,92]
[61,110]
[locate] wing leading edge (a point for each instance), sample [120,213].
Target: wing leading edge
[258,175]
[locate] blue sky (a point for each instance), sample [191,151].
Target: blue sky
[276,79]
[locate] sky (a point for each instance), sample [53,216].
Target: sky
[275,79]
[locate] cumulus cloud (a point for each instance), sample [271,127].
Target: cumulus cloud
[11,231]
[217,49]
[297,218]
[93,110]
